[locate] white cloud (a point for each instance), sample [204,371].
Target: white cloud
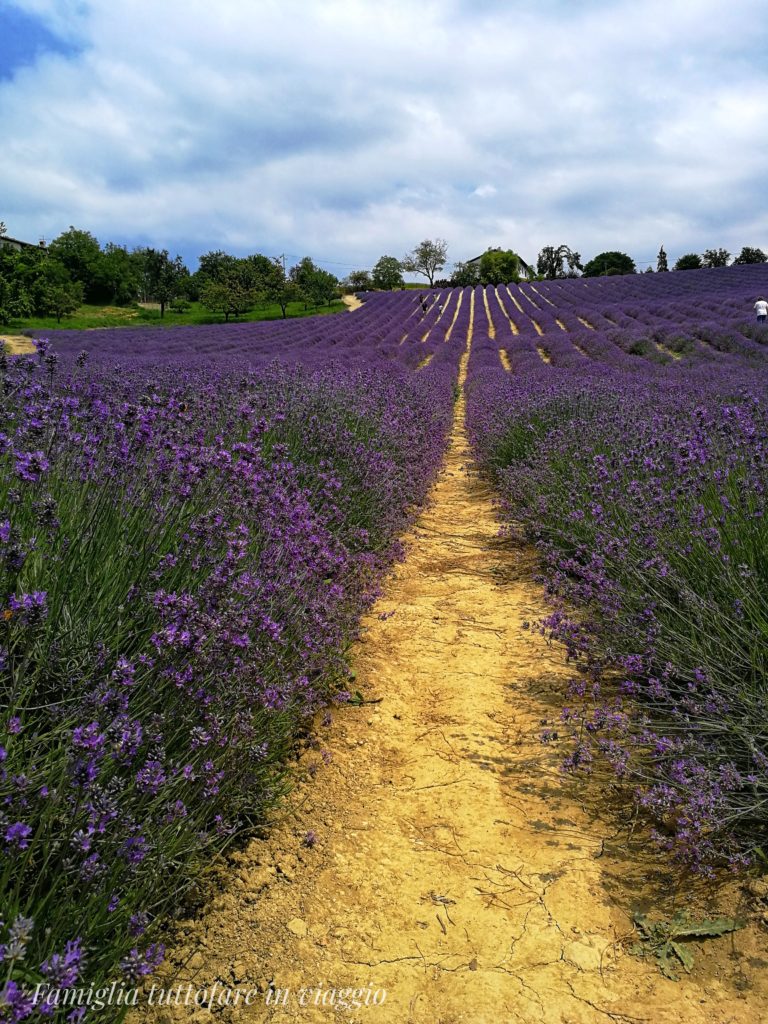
[343,129]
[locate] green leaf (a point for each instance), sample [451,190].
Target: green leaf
[708,929]
[683,955]
[665,965]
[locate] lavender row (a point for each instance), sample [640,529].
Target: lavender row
[186,551]
[645,493]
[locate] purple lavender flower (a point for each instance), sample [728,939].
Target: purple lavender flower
[30,608]
[62,970]
[30,466]
[17,835]
[151,777]
[138,965]
[15,1003]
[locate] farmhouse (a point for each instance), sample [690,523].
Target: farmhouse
[525,269]
[18,245]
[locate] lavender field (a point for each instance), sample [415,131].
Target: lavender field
[194,520]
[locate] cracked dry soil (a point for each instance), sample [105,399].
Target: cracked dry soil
[454,867]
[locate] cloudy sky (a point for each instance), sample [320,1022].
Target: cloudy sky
[348,129]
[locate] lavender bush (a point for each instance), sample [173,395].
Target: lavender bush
[186,549]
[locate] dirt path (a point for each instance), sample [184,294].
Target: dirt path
[17,344]
[451,866]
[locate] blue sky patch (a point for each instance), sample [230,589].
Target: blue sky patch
[24,39]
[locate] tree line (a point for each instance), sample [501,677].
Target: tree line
[500,266]
[561,261]
[429,258]
[75,269]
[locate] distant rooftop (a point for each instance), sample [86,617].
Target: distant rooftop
[17,243]
[528,269]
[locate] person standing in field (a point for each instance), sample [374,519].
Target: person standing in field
[761,308]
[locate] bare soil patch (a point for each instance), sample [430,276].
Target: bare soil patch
[17,344]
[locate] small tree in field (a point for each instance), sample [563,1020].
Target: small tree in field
[690,261]
[227,296]
[552,261]
[63,299]
[387,274]
[465,274]
[163,278]
[751,255]
[279,288]
[359,281]
[15,303]
[314,285]
[606,264]
[661,261]
[80,253]
[427,259]
[715,257]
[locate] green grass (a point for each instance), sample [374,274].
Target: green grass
[88,317]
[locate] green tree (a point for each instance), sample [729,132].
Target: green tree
[325,288]
[690,261]
[259,266]
[427,259]
[278,287]
[18,266]
[359,281]
[662,266]
[50,274]
[249,272]
[315,285]
[465,274]
[79,252]
[15,301]
[163,278]
[715,257]
[63,299]
[607,264]
[214,266]
[387,274]
[227,295]
[751,255]
[552,262]
[118,275]
[499,266]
